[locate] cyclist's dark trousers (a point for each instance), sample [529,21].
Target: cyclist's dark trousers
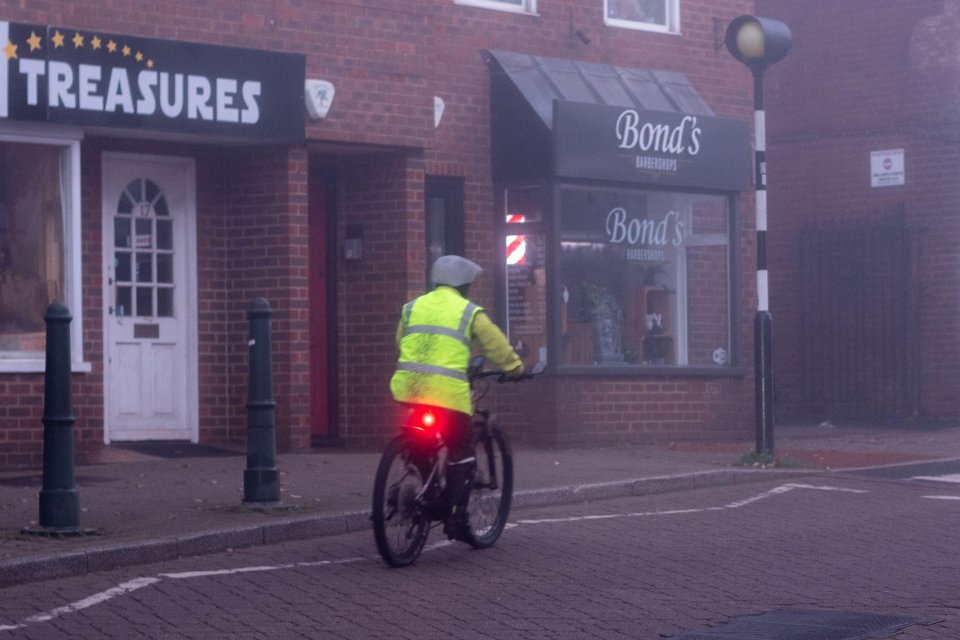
[461,460]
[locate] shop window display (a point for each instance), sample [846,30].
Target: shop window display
[31,244]
[644,278]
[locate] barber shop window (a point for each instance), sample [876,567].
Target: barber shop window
[645,278]
[647,15]
[39,206]
[515,6]
[524,245]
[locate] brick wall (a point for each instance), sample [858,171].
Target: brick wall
[266,255]
[21,432]
[883,75]
[608,410]
[385,195]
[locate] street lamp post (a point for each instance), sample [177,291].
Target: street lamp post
[758,43]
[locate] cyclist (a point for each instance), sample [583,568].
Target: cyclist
[434,336]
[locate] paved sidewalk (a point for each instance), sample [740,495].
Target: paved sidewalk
[156,507]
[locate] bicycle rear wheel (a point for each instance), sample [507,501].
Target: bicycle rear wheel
[399,524]
[492,491]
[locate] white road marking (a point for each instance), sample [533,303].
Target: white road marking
[949,477]
[95,599]
[139,583]
[773,492]
[733,505]
[942,497]
[186,575]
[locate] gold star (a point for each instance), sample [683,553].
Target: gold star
[95,42]
[77,41]
[10,50]
[139,57]
[34,41]
[150,64]
[126,50]
[57,39]
[112,46]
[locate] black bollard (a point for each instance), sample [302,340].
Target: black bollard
[59,503]
[261,480]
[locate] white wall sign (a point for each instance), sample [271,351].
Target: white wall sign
[438,106]
[886,168]
[319,96]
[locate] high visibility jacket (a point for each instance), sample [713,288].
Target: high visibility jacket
[435,334]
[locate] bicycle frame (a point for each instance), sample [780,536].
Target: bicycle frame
[482,423]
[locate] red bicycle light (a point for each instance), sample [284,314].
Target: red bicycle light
[424,419]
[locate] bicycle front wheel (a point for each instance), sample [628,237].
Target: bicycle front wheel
[399,525]
[492,492]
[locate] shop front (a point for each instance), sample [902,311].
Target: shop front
[618,199]
[127,173]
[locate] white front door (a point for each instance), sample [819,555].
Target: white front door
[149,279]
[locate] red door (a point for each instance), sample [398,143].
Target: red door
[319,378]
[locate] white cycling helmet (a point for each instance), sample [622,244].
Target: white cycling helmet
[454,271]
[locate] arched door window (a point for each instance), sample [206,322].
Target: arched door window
[143,259]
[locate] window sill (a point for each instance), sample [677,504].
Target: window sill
[37,365]
[496,6]
[636,25]
[646,371]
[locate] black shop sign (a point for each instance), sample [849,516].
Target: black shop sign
[650,147]
[91,78]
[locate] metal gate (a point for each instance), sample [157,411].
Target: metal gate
[859,319]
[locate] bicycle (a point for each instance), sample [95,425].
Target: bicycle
[408,491]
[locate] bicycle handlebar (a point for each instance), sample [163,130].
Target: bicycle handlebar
[503,377]
[500,376]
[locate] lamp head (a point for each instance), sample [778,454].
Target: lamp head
[758,42]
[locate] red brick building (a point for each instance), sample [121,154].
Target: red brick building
[863,155]
[161,168]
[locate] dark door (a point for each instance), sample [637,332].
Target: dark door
[858,318]
[320,427]
[444,217]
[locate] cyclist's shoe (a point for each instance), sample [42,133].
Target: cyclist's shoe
[435,510]
[456,526]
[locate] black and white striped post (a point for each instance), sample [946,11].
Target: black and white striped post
[758,43]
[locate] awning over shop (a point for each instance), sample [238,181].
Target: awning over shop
[541,80]
[619,124]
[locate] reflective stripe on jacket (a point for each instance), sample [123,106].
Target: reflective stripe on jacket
[437,328]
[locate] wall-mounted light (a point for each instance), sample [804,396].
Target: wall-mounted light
[580,34]
[353,243]
[318,95]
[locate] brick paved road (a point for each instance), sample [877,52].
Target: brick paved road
[636,568]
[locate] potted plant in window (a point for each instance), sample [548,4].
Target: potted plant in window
[602,310]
